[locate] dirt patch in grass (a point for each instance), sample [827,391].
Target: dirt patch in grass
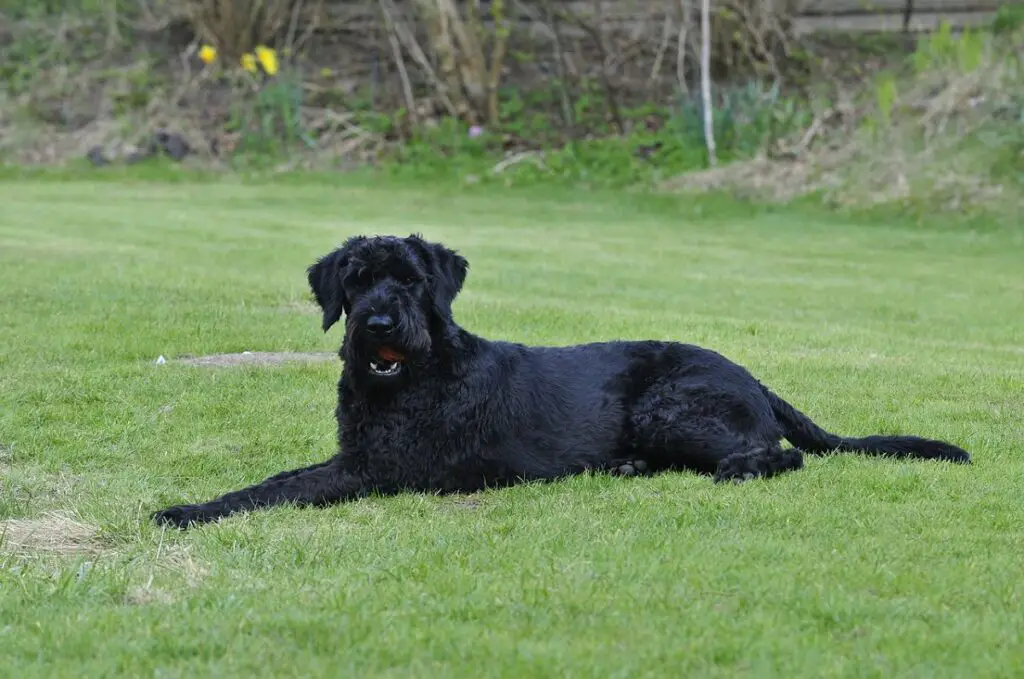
[258,358]
[145,595]
[52,533]
[302,307]
[176,561]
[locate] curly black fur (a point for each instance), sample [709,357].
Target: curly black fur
[425,405]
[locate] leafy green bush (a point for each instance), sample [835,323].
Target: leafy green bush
[1009,19]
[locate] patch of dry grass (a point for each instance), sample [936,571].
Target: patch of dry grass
[761,178]
[55,532]
[935,136]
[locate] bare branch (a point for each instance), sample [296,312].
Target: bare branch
[502,30]
[568,117]
[681,45]
[408,40]
[666,36]
[396,50]
[535,157]
[599,43]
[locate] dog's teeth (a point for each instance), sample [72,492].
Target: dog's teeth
[390,370]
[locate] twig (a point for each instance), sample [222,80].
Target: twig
[350,145]
[536,157]
[293,45]
[345,120]
[705,79]
[666,35]
[602,53]
[552,24]
[563,89]
[812,131]
[396,49]
[760,33]
[113,30]
[628,53]
[502,30]
[293,24]
[149,21]
[684,29]
[311,27]
[186,67]
[410,43]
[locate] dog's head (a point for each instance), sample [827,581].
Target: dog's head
[396,295]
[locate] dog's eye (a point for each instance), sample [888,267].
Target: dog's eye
[360,278]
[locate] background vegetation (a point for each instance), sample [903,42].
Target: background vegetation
[520,91]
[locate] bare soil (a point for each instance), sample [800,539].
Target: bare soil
[257,358]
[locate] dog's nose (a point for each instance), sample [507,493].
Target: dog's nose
[379,325]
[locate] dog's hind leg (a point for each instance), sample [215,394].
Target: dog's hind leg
[629,468]
[763,462]
[685,438]
[321,484]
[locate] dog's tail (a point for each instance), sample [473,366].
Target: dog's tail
[803,433]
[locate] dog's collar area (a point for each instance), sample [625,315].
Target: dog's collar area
[382,368]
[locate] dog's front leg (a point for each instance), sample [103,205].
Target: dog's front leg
[322,484]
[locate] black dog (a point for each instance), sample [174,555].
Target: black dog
[424,405]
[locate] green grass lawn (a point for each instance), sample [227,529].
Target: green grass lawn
[853,567]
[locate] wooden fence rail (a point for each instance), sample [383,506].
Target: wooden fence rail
[862,7]
[814,16]
[888,15]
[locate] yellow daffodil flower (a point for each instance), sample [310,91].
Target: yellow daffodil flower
[268,59]
[207,54]
[249,62]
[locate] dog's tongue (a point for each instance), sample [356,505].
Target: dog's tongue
[390,355]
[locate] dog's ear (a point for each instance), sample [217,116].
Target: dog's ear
[325,281]
[447,270]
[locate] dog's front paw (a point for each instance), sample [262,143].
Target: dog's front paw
[181,516]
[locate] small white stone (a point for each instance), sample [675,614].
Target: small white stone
[161,360]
